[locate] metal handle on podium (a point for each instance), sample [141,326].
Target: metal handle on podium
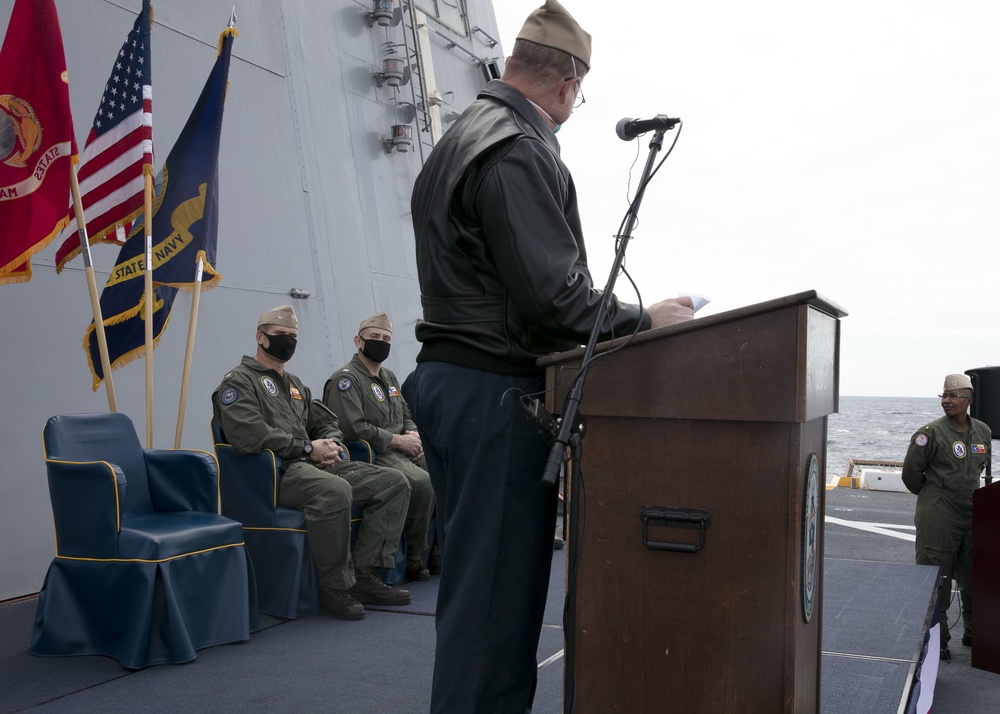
[675,518]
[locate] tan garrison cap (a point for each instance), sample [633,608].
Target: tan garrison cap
[551,26]
[957,381]
[380,321]
[282,315]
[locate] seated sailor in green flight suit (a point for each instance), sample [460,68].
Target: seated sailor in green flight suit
[365,395]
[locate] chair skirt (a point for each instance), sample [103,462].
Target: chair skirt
[146,613]
[286,578]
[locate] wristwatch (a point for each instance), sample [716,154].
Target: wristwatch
[307,449]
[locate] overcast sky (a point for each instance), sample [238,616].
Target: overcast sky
[850,148]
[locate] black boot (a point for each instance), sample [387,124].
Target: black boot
[339,604]
[416,570]
[435,564]
[369,589]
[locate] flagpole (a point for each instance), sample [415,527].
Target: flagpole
[196,284]
[148,310]
[95,300]
[189,353]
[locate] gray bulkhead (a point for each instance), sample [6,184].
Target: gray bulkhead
[310,200]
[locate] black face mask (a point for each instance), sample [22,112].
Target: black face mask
[281,347]
[375,350]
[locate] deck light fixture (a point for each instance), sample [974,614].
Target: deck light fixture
[382,14]
[392,72]
[400,138]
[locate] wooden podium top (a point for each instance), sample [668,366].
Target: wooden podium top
[774,361]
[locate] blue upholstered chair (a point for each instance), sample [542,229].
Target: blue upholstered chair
[275,535]
[146,570]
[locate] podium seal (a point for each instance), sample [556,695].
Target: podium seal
[810,538]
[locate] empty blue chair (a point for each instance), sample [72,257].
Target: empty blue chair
[146,570]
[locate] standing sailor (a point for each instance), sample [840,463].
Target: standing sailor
[943,466]
[503,280]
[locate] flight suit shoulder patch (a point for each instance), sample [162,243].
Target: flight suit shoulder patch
[920,439]
[228,396]
[344,383]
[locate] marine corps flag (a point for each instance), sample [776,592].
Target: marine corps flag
[37,146]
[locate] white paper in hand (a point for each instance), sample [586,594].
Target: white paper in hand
[699,301]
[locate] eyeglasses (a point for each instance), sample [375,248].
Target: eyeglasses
[580,99]
[952,395]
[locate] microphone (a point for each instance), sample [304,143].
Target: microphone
[629,128]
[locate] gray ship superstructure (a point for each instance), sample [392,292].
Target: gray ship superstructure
[332,108]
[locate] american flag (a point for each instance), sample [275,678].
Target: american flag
[119,148]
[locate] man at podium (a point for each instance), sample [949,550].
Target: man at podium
[942,466]
[503,280]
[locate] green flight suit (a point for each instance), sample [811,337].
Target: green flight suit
[258,409]
[371,408]
[942,466]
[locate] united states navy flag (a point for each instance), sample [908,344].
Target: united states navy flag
[185,227]
[127,338]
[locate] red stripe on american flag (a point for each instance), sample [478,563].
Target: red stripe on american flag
[96,158]
[111,172]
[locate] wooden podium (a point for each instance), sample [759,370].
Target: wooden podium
[696,531]
[986,578]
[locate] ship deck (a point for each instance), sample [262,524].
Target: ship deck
[383,663]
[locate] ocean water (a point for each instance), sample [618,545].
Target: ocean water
[875,428]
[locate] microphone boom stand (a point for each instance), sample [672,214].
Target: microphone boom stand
[567,424]
[570,429]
